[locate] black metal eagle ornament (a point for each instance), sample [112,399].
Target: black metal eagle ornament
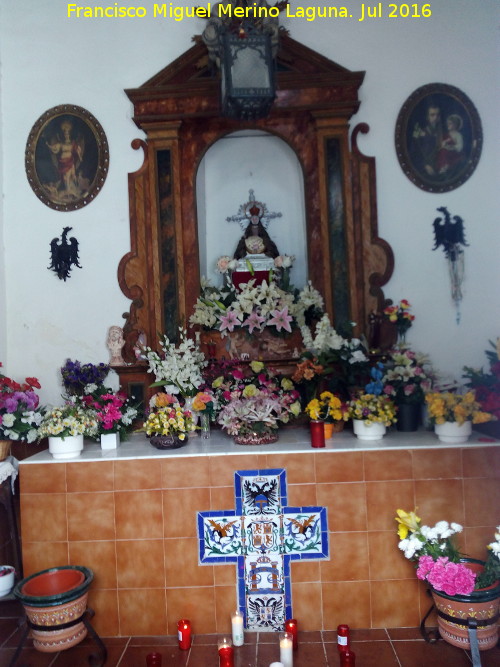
[64,254]
[450,234]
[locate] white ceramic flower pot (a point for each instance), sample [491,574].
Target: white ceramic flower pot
[453,433]
[368,431]
[110,440]
[6,580]
[69,447]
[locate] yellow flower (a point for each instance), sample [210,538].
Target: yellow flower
[256,366]
[250,390]
[408,522]
[218,381]
[295,408]
[287,384]
[198,404]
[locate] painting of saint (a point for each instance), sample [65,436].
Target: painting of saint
[438,138]
[67,158]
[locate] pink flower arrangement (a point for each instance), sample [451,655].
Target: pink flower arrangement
[111,410]
[444,575]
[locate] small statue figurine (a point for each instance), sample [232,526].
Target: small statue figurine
[256,240]
[115,343]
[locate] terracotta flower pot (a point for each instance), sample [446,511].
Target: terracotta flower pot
[54,601]
[454,611]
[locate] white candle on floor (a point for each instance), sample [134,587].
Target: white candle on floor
[286,649]
[237,628]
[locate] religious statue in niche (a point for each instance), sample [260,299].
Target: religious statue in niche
[64,254]
[256,252]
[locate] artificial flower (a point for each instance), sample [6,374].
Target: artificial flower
[438,559]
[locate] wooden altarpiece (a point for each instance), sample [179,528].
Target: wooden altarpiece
[179,111]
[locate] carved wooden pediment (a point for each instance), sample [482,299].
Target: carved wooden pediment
[190,85]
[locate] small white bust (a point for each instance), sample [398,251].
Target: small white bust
[115,343]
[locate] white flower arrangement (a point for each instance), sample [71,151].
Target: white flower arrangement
[67,420]
[180,365]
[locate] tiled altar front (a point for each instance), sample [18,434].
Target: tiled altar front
[132,516]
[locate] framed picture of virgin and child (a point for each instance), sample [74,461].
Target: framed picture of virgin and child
[438,137]
[66,157]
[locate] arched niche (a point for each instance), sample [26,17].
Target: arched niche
[178,109]
[231,167]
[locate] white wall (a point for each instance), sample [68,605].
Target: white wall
[48,59]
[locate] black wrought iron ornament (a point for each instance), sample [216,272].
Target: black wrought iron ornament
[450,234]
[64,254]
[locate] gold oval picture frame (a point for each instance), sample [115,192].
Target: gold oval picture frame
[438,137]
[67,157]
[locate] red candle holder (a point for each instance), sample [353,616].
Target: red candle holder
[226,653]
[347,658]
[184,634]
[292,628]
[343,638]
[317,434]
[153,659]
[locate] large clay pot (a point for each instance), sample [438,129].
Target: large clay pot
[481,605]
[453,433]
[54,601]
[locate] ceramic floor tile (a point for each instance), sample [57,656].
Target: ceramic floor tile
[135,656]
[418,652]
[370,654]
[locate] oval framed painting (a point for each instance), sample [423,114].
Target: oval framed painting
[67,157]
[438,138]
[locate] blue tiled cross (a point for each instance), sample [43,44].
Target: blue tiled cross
[262,535]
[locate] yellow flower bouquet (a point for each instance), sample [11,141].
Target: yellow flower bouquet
[449,407]
[373,408]
[328,408]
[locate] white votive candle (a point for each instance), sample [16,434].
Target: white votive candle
[237,628]
[276,664]
[286,649]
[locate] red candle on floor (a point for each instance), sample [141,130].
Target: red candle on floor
[343,638]
[184,634]
[317,433]
[291,627]
[153,659]
[226,653]
[347,658]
